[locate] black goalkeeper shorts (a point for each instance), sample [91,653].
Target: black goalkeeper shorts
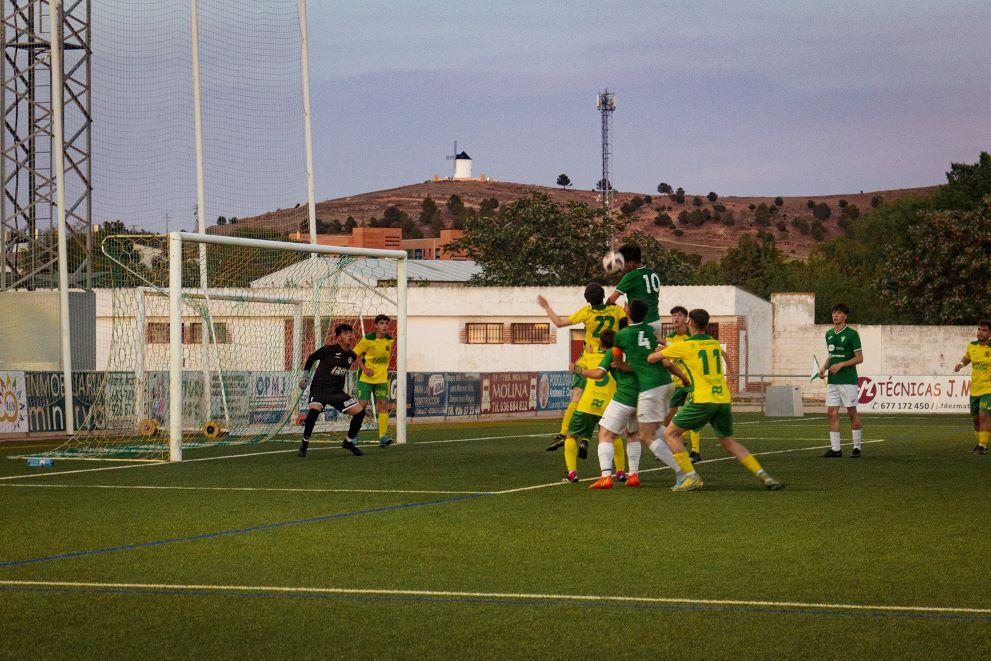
[339,399]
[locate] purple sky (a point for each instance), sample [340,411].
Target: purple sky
[753,98]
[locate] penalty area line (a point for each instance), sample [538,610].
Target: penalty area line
[262,489]
[508,596]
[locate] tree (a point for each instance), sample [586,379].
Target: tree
[842,203]
[712,197]
[810,204]
[754,264]
[876,201]
[673,266]
[603,185]
[664,188]
[563,180]
[431,216]
[801,224]
[762,215]
[221,220]
[233,220]
[350,223]
[822,211]
[966,185]
[944,273]
[536,242]
[663,220]
[818,231]
[488,207]
[778,201]
[697,201]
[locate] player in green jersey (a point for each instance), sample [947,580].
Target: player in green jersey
[637,341]
[978,356]
[596,318]
[639,283]
[842,389]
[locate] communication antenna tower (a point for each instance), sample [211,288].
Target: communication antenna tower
[606,103]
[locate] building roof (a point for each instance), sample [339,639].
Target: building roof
[371,271]
[463,156]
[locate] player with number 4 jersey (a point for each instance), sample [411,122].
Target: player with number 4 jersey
[709,402]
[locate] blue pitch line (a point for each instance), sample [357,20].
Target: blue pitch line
[238,531]
[492,601]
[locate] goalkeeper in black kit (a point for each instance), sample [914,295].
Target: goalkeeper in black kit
[328,387]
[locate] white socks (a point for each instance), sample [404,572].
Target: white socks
[663,452]
[606,454]
[856,438]
[834,441]
[633,455]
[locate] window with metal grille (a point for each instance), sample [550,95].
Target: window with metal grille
[482,333]
[530,333]
[157,332]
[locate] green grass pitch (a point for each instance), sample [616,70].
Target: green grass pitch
[464,543]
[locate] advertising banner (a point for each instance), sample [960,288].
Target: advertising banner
[13,403]
[553,391]
[915,394]
[464,393]
[427,394]
[509,392]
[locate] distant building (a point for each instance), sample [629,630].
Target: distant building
[462,166]
[390,238]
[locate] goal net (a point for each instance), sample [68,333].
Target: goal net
[191,366]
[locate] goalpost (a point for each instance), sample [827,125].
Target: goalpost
[190,366]
[354,299]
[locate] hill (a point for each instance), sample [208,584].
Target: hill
[792,222]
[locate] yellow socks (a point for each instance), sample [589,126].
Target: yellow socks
[696,438]
[571,453]
[619,457]
[684,463]
[983,437]
[383,423]
[751,464]
[566,422]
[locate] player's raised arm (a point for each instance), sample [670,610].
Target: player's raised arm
[557,319]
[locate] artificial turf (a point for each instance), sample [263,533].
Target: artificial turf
[119,570]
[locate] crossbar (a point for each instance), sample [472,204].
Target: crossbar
[219,240]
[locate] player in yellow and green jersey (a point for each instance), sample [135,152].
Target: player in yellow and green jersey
[375,353]
[709,402]
[978,356]
[679,318]
[596,395]
[597,318]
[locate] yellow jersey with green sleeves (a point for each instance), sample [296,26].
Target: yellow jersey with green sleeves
[376,354]
[702,357]
[597,395]
[673,338]
[597,319]
[980,368]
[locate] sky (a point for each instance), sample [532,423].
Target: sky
[743,98]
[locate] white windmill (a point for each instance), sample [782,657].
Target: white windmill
[462,163]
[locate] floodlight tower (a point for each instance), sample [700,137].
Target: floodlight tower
[31,108]
[606,103]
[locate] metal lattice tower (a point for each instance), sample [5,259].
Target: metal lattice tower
[606,103]
[28,232]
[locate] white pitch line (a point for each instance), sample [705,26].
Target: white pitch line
[248,454]
[274,489]
[662,468]
[514,596]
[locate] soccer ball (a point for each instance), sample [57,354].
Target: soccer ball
[613,262]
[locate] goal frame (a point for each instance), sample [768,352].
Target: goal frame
[175,293]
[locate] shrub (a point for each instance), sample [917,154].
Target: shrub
[810,204]
[818,231]
[679,233]
[697,201]
[712,197]
[876,201]
[842,204]
[778,201]
[822,211]
[719,207]
[782,226]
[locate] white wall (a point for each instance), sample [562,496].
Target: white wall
[436,318]
[888,350]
